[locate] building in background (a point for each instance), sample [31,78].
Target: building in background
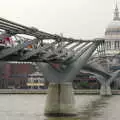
[3,81]
[85,80]
[36,81]
[15,75]
[112,35]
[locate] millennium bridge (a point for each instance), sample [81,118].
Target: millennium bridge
[60,59]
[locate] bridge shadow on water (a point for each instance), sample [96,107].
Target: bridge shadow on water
[89,112]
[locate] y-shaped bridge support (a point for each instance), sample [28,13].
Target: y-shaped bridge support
[105,83]
[105,89]
[103,77]
[60,99]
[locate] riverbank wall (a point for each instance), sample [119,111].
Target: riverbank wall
[42,91]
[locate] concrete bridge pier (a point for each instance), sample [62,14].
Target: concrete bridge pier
[60,100]
[105,86]
[105,90]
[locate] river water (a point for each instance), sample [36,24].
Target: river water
[31,107]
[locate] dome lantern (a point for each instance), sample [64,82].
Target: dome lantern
[116,13]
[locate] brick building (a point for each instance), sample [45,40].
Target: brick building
[15,75]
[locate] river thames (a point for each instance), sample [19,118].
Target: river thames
[31,107]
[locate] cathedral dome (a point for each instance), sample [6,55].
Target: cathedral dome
[112,31]
[114,25]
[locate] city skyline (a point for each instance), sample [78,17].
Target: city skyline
[78,19]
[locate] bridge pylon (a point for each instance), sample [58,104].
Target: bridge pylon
[105,90]
[60,99]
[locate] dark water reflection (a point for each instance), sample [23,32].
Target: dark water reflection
[92,110]
[31,107]
[88,111]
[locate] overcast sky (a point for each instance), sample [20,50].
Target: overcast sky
[74,18]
